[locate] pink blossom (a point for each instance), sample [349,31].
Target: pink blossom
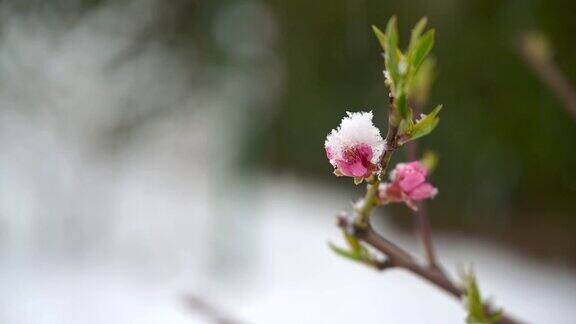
[356,162]
[355,147]
[407,184]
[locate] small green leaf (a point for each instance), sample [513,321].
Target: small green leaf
[405,126]
[416,32]
[344,253]
[353,243]
[477,313]
[422,49]
[423,127]
[391,49]
[380,35]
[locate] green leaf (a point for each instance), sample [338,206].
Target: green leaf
[421,49]
[344,253]
[381,36]
[473,299]
[405,126]
[423,127]
[477,313]
[391,49]
[416,32]
[353,243]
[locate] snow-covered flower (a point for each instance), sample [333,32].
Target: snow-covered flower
[408,184]
[354,149]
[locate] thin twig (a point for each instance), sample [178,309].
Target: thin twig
[536,52]
[422,220]
[423,223]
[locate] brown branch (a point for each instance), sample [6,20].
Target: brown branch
[422,220]
[423,224]
[391,140]
[398,257]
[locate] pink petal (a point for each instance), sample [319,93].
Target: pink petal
[365,153]
[390,192]
[417,166]
[354,169]
[356,162]
[411,181]
[423,191]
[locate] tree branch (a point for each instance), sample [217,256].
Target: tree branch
[423,224]
[398,257]
[422,220]
[360,228]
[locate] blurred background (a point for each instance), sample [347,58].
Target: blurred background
[163,161]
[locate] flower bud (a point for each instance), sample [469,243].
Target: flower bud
[354,149]
[407,184]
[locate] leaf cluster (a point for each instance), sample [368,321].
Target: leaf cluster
[405,76]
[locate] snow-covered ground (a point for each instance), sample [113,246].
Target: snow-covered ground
[291,277]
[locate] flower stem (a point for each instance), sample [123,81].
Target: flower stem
[369,202]
[371,199]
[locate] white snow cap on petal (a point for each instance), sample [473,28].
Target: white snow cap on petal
[355,129]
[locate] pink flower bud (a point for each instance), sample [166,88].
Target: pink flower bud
[408,184]
[355,147]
